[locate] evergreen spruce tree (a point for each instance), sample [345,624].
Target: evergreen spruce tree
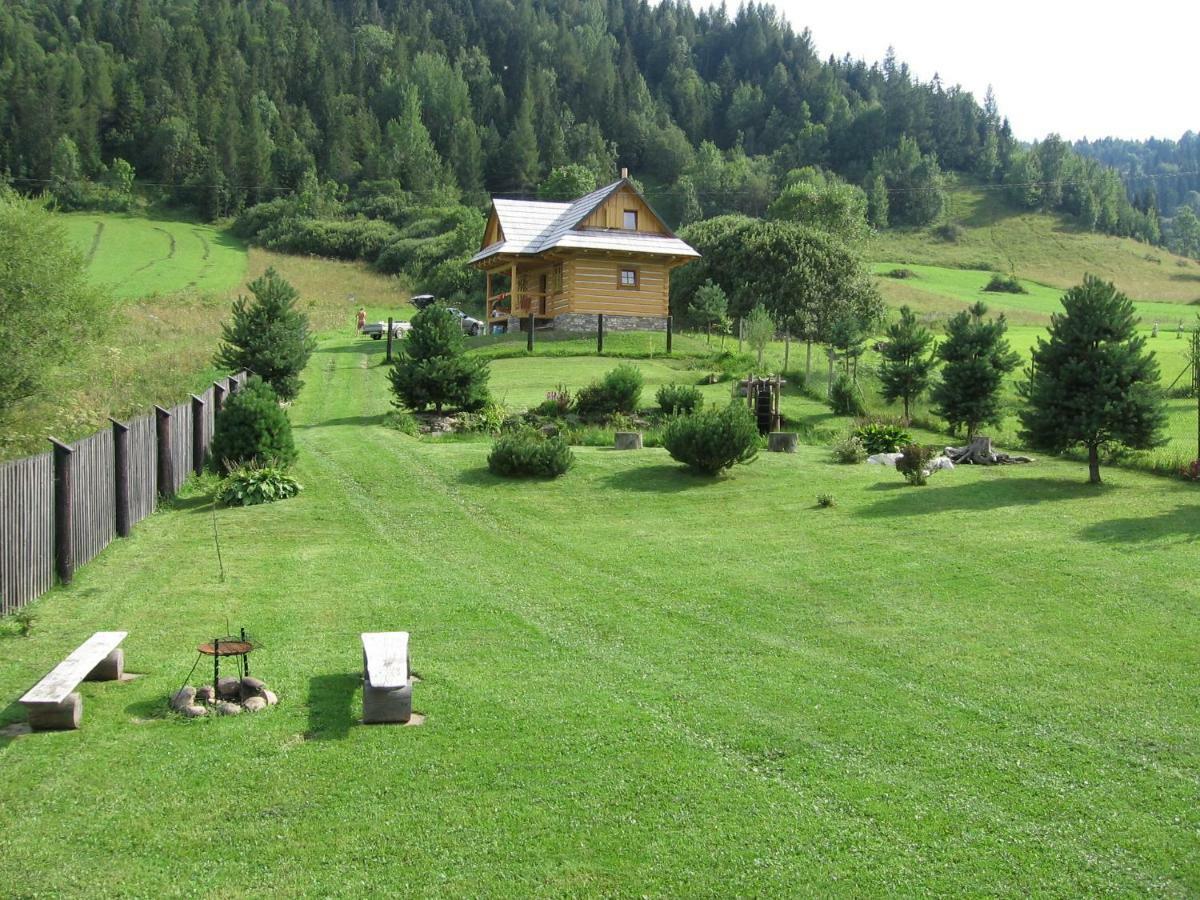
[268,335]
[432,368]
[1093,383]
[976,357]
[907,363]
[709,307]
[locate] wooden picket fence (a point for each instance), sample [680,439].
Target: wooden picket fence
[59,509]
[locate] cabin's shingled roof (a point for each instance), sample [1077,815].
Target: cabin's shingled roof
[531,227]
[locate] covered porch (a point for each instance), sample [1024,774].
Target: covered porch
[516,290]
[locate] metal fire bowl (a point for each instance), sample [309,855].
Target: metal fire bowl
[227,648]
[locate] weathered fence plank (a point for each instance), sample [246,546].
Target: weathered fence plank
[26,530]
[93,497]
[143,468]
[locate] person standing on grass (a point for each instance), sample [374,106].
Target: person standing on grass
[362,320]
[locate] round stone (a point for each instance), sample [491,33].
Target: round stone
[225,708]
[184,697]
[229,688]
[255,704]
[270,697]
[205,694]
[194,712]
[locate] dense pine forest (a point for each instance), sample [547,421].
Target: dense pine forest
[383,110]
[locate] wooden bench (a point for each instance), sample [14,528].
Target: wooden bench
[52,703]
[387,680]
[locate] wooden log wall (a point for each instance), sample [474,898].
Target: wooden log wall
[27,496]
[26,530]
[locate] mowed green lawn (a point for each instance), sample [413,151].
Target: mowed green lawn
[138,257]
[636,682]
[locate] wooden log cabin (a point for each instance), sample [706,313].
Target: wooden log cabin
[565,263]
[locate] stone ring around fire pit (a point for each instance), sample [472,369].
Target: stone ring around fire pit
[230,697]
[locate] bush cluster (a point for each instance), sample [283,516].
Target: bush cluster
[1005,284]
[845,397]
[710,441]
[250,485]
[850,450]
[527,452]
[679,399]
[251,429]
[619,391]
[914,463]
[881,437]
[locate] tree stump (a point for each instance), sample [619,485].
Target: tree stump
[628,440]
[979,452]
[782,441]
[63,716]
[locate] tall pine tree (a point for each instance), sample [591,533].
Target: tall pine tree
[976,357]
[907,363]
[1093,383]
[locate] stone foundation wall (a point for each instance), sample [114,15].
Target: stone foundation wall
[586,323]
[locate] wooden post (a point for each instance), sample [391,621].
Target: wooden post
[739,334]
[64,537]
[670,329]
[599,332]
[829,383]
[487,300]
[219,391]
[389,339]
[198,445]
[121,476]
[166,464]
[529,337]
[808,361]
[787,349]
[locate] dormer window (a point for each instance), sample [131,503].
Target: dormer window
[631,220]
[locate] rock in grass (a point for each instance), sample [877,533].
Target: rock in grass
[229,688]
[205,694]
[225,708]
[194,712]
[183,698]
[252,687]
[255,704]
[270,697]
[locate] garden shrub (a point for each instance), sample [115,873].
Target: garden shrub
[914,462]
[619,391]
[1005,284]
[251,428]
[710,441]
[251,484]
[826,501]
[434,369]
[881,437]
[527,452]
[679,398]
[1190,471]
[901,273]
[950,232]
[850,450]
[845,398]
[557,403]
[488,420]
[403,421]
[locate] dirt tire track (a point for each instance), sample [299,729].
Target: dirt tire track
[155,262]
[95,243]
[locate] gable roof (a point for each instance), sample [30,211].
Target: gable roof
[531,227]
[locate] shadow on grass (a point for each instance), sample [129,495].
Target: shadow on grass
[12,724]
[977,495]
[361,347]
[376,419]
[195,503]
[331,705]
[661,479]
[1181,522]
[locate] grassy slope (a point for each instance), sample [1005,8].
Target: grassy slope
[169,321]
[1047,249]
[635,681]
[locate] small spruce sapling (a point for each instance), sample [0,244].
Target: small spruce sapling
[976,357]
[907,362]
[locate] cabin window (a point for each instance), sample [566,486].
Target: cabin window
[631,220]
[629,278]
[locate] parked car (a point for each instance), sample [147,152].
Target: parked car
[423,300]
[376,330]
[470,324]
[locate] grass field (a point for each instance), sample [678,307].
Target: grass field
[176,281]
[636,682]
[138,257]
[1043,248]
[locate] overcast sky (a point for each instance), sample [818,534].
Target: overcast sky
[1081,69]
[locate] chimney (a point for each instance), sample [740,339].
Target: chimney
[624,173]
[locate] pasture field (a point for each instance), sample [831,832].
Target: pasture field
[636,682]
[1044,248]
[138,257]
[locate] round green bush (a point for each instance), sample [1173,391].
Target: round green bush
[527,452]
[619,391]
[252,428]
[679,398]
[713,440]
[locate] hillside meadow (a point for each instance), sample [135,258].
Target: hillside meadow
[635,681]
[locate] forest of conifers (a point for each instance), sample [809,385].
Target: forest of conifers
[219,105]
